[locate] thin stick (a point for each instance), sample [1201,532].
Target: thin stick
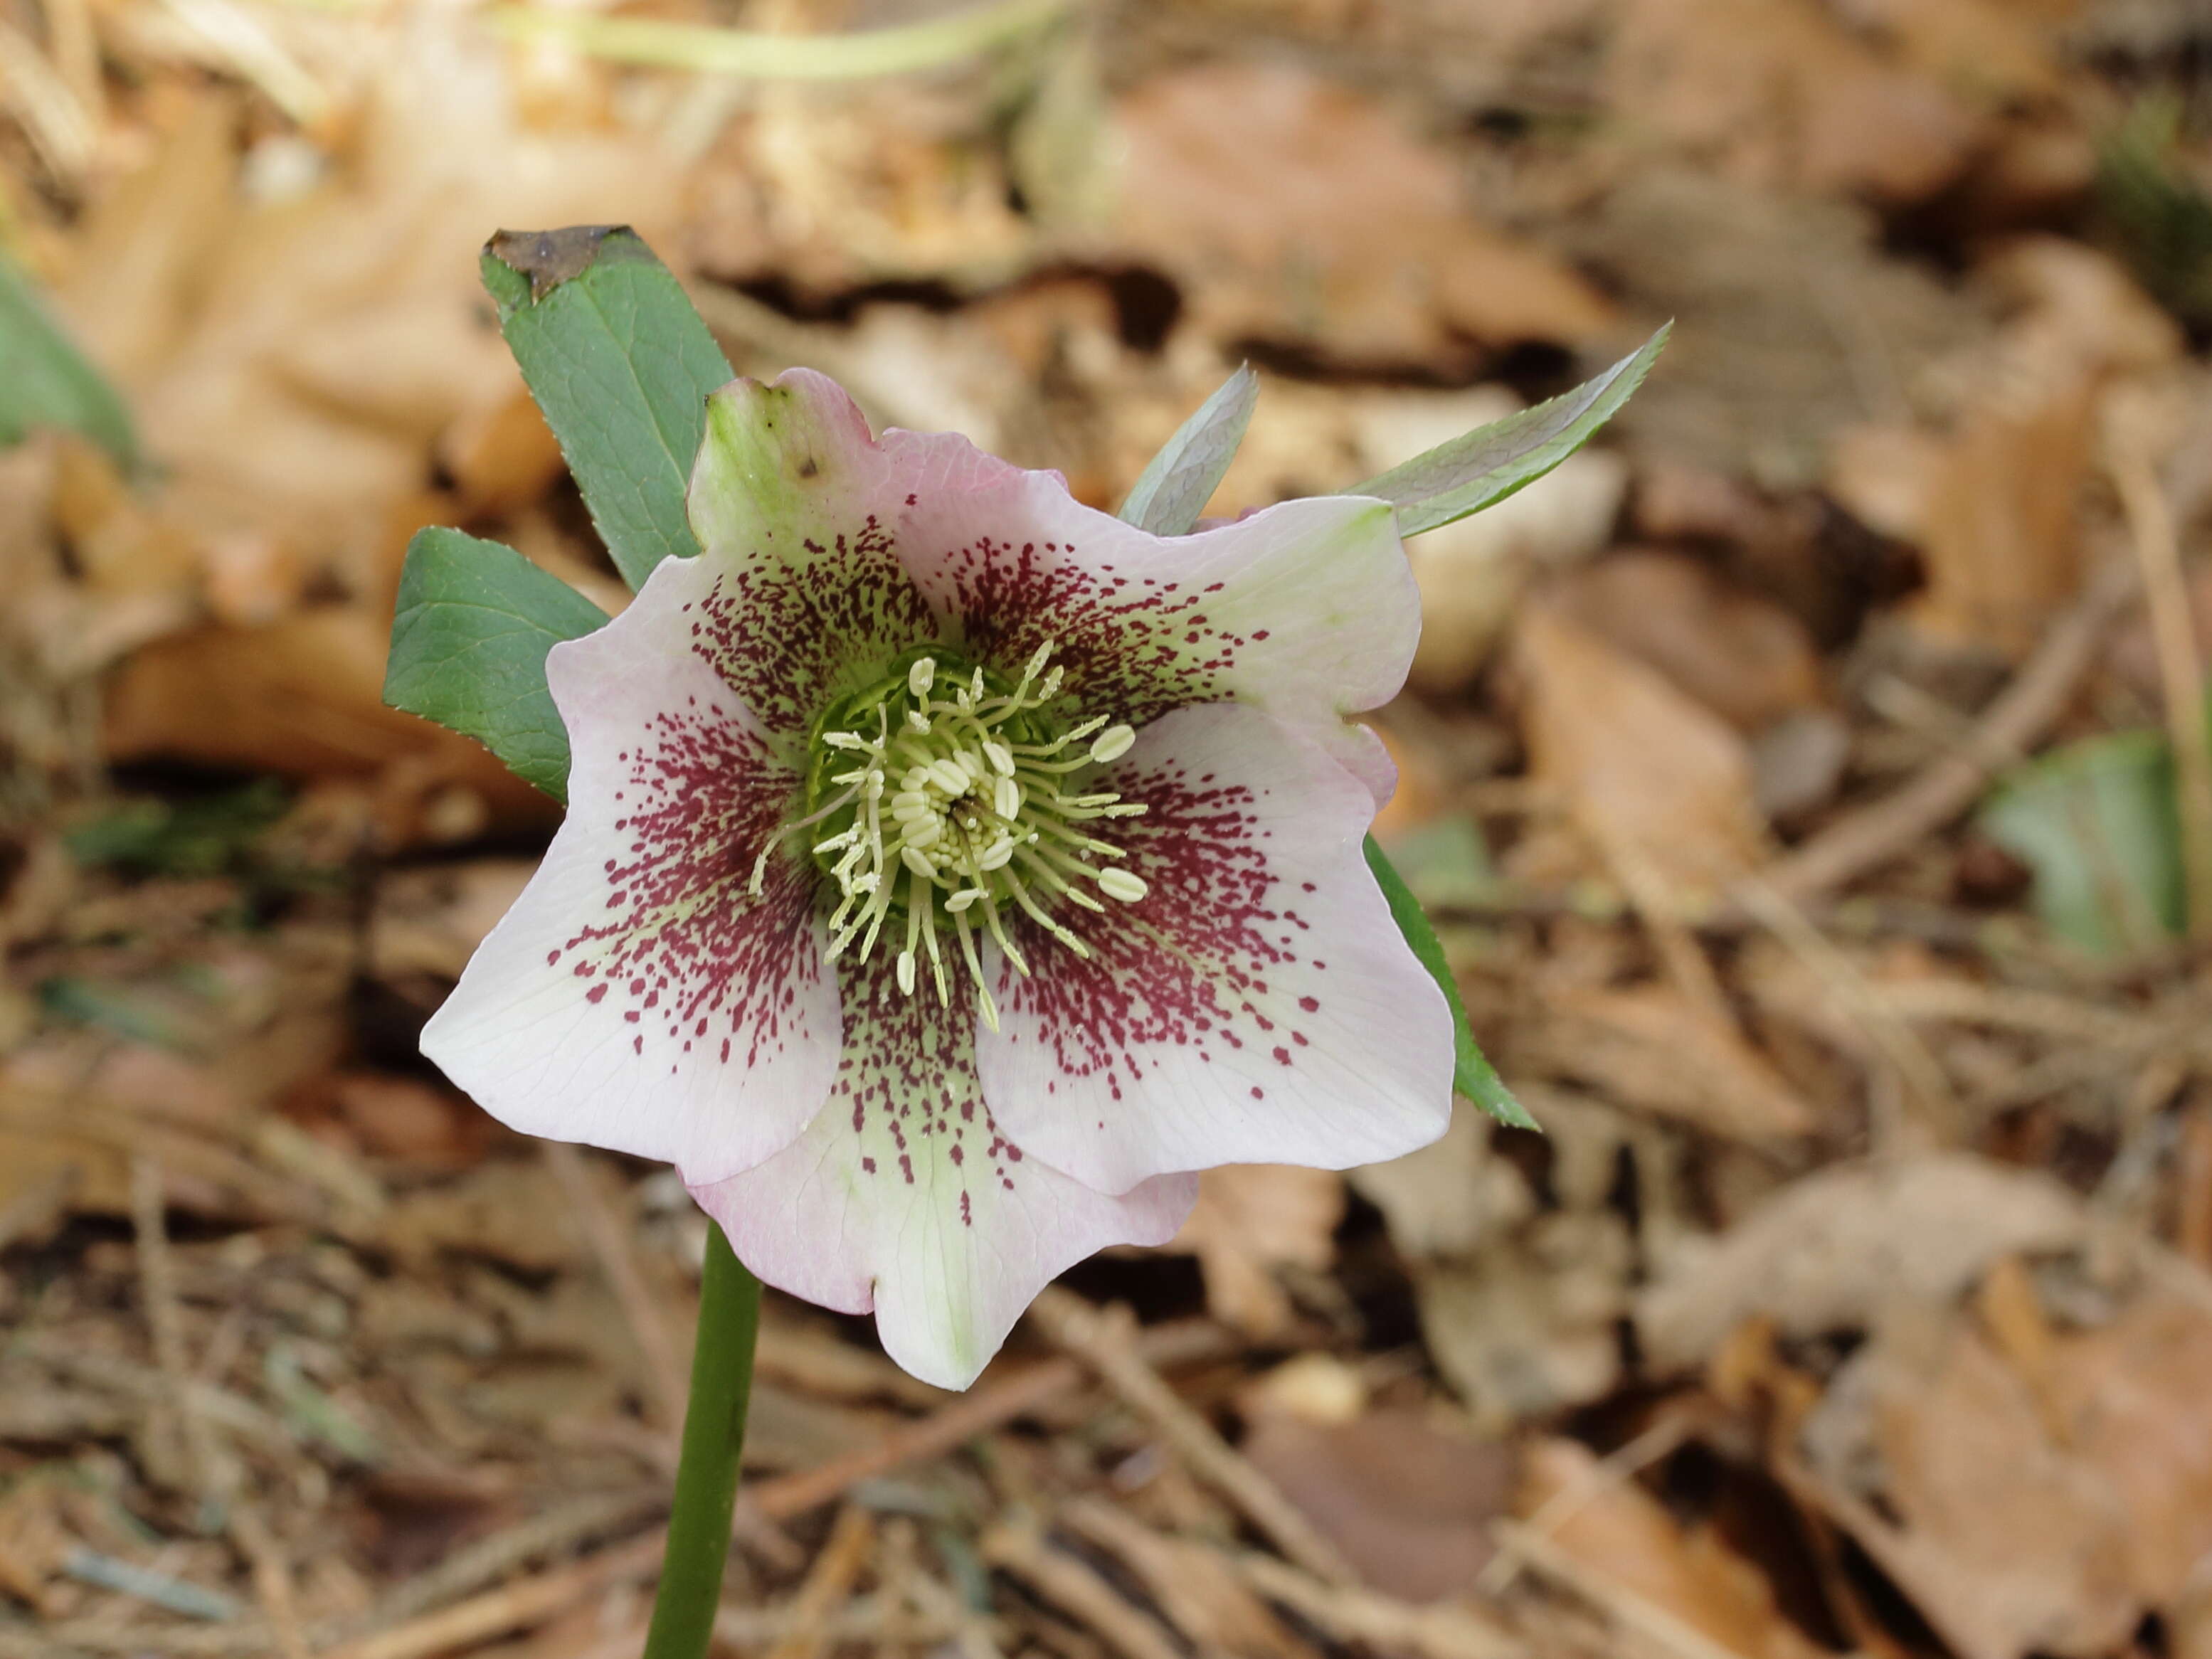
[157,1291]
[1442,1630]
[272,1577]
[1655,903]
[214,1475]
[239,1415]
[1620,1464]
[511,1607]
[965,1417]
[1107,1345]
[57,125]
[1075,1588]
[2180,670]
[2192,1225]
[664,1376]
[477,1564]
[788,1495]
[1949,784]
[519,1606]
[1626,1608]
[1893,1036]
[76,56]
[877,1623]
[828,1583]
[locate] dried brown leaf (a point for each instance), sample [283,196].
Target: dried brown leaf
[1295,209]
[1626,1539]
[1743,657]
[1527,1327]
[1410,1508]
[1650,1047]
[1656,781]
[1251,1218]
[2006,1543]
[1829,1252]
[1780,91]
[2133,1400]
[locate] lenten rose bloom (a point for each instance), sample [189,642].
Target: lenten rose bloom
[952,871]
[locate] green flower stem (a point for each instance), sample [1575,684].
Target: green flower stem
[657,43]
[706,1476]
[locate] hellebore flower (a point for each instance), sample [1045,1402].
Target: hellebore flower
[952,871]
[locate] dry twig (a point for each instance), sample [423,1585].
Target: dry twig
[617,1259]
[2180,670]
[962,1420]
[1620,1464]
[1948,785]
[1107,1346]
[214,1475]
[1074,1587]
[511,1607]
[1442,1630]
[828,1582]
[1624,1605]
[1891,1035]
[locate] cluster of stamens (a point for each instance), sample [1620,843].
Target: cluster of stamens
[951,802]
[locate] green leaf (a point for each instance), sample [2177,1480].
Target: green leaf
[2158,212]
[2097,823]
[208,837]
[45,382]
[1481,468]
[469,640]
[1178,482]
[621,364]
[1471,1075]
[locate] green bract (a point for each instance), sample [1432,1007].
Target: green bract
[45,382]
[1483,467]
[468,639]
[622,365]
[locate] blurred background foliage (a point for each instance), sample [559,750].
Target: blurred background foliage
[1810,784]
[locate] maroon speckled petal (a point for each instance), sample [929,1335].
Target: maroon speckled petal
[795,505]
[1307,609]
[843,550]
[904,1197]
[637,996]
[1257,1006]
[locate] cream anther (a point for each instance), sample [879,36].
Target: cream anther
[1120,884]
[1112,744]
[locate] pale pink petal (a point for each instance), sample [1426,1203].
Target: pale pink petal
[1258,1005]
[638,996]
[903,1197]
[1307,609]
[796,507]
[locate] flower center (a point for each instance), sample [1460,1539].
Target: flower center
[951,800]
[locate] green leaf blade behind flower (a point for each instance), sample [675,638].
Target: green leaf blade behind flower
[2096,822]
[1481,468]
[622,365]
[1178,482]
[468,638]
[1472,1075]
[46,381]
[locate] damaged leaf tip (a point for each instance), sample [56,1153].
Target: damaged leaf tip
[547,258]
